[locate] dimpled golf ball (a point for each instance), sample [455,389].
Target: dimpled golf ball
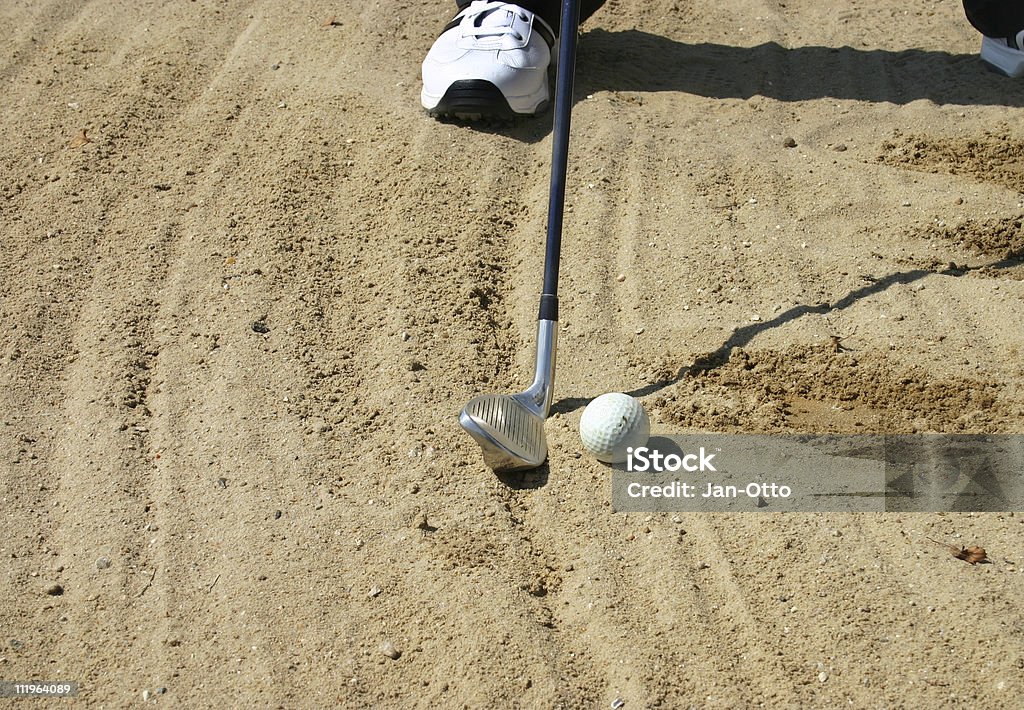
[613,423]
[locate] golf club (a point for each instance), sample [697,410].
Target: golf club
[510,428]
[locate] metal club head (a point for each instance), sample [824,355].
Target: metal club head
[510,428]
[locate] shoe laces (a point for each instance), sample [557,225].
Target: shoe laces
[493,19]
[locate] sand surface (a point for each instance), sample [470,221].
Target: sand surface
[240,320]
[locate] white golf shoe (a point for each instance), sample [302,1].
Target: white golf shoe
[1004,55]
[490,62]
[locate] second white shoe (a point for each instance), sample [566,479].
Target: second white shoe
[1004,55]
[490,62]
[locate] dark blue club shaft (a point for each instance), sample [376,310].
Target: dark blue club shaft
[559,155]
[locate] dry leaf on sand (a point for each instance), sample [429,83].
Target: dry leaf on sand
[971,555]
[79,140]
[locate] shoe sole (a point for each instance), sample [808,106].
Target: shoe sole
[478,100]
[1001,58]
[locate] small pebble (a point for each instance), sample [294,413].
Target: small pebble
[374,591]
[788,142]
[161,690]
[618,703]
[103,563]
[389,650]
[260,326]
[839,148]
[620,278]
[55,590]
[822,677]
[145,696]
[639,331]
[277,514]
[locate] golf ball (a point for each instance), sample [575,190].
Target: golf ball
[613,423]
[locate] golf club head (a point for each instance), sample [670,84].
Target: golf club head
[510,433]
[510,428]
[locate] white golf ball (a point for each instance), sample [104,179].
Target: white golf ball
[613,423]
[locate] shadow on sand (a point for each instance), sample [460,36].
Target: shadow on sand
[637,61]
[746,333]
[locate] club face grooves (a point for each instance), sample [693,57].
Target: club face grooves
[510,434]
